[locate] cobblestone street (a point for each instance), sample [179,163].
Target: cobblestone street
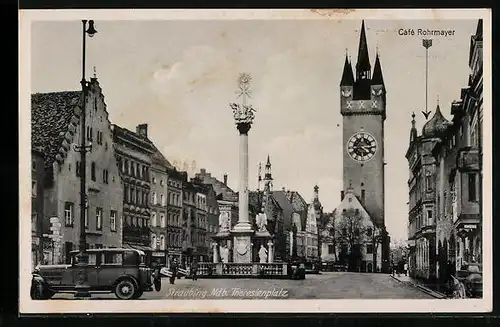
[328,285]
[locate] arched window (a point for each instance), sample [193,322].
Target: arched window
[153,241]
[162,242]
[162,220]
[153,219]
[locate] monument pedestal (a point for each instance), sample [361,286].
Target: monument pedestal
[242,244]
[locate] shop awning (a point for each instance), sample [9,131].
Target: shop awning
[137,247]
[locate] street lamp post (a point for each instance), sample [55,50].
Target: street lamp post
[82,287]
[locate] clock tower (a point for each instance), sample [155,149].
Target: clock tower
[362,103]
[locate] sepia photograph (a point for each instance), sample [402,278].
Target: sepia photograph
[200,160]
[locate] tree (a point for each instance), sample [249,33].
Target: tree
[377,236]
[349,234]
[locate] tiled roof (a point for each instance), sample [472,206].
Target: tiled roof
[159,158]
[284,203]
[51,115]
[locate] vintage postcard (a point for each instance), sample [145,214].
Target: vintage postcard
[255,161]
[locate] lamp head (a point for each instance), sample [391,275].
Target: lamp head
[91,30]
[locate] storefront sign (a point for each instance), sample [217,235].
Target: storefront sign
[470,226]
[158,254]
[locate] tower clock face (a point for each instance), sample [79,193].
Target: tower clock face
[362,146]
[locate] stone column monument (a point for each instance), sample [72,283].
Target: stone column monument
[243,115]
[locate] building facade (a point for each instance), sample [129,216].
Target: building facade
[354,238]
[212,220]
[363,109]
[422,196]
[189,223]
[159,207]
[460,174]
[37,198]
[134,152]
[176,180]
[56,127]
[445,182]
[199,230]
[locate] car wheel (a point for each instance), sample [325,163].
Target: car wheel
[138,294]
[125,289]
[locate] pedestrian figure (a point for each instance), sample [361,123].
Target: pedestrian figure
[194,269]
[406,269]
[173,269]
[450,271]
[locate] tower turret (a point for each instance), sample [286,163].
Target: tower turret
[363,67]
[268,178]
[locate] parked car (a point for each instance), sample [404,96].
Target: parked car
[297,270]
[119,271]
[312,267]
[471,277]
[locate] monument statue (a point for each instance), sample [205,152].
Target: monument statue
[224,222]
[262,254]
[261,221]
[224,254]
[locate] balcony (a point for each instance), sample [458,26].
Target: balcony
[468,160]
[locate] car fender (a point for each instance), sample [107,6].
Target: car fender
[122,277]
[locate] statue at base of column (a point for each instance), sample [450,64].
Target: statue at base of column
[262,254]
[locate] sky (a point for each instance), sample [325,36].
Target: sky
[180,76]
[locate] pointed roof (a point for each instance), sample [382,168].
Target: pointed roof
[377,78]
[436,126]
[286,205]
[268,164]
[363,58]
[479,30]
[347,75]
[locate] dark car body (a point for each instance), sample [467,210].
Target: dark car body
[313,267]
[472,277]
[121,271]
[297,270]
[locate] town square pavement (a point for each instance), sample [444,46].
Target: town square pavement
[327,285]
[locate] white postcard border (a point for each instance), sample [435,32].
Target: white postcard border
[26,305]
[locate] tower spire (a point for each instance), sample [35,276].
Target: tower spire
[268,178]
[363,66]
[377,78]
[347,75]
[413,131]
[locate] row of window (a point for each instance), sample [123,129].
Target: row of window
[135,195]
[90,137]
[93,175]
[69,217]
[174,240]
[133,169]
[369,249]
[136,221]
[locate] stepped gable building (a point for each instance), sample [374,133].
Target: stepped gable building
[55,130]
[363,109]
[134,152]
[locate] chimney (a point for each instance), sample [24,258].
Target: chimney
[283,189]
[203,171]
[142,130]
[225,179]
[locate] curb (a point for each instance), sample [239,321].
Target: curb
[424,289]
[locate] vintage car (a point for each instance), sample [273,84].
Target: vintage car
[119,271]
[468,282]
